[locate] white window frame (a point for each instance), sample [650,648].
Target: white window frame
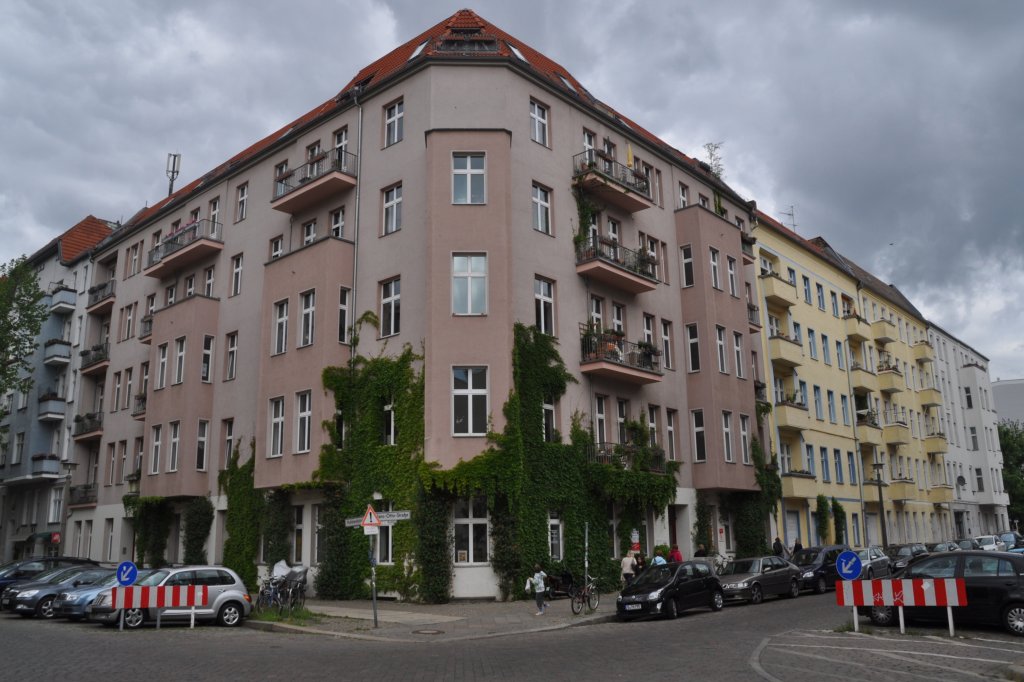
[392,209]
[202,440]
[469,277]
[713,257]
[161,366]
[390,307]
[541,198]
[307,300]
[692,348]
[231,363]
[723,359]
[242,202]
[538,122]
[700,442]
[394,122]
[737,349]
[468,175]
[731,273]
[303,420]
[343,295]
[236,275]
[206,366]
[666,344]
[172,458]
[686,265]
[280,326]
[475,524]
[179,359]
[471,394]
[544,305]
[275,434]
[338,223]
[727,436]
[745,438]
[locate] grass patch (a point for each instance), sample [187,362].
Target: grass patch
[303,617]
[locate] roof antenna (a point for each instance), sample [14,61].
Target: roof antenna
[173,168]
[792,216]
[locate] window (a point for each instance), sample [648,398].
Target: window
[117,391]
[652,424]
[172,458]
[154,450]
[979,478]
[599,419]
[227,429]
[338,223]
[700,453]
[824,465]
[852,466]
[281,178]
[179,360]
[161,366]
[745,438]
[201,438]
[666,344]
[309,232]
[19,448]
[817,403]
[826,351]
[670,433]
[541,209]
[469,401]
[837,465]
[303,420]
[298,511]
[544,305]
[723,365]
[382,544]
[206,369]
[812,343]
[821,296]
[471,530]
[390,307]
[731,270]
[839,355]
[715,281]
[703,201]
[737,349]
[280,327]
[128,395]
[555,535]
[213,211]
[469,284]
[835,303]
[275,444]
[548,409]
[468,178]
[208,282]
[236,275]
[727,435]
[56,504]
[394,123]
[683,195]
[845,402]
[538,123]
[242,204]
[389,429]
[649,329]
[343,315]
[692,348]
[686,254]
[621,410]
[231,359]
[308,301]
[190,286]
[169,294]
[393,209]
[807,289]
[831,399]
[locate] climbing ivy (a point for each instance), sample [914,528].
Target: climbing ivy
[702,522]
[821,519]
[839,519]
[275,527]
[245,509]
[198,518]
[152,517]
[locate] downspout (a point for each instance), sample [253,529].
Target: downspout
[355,92]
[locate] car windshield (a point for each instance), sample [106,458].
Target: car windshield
[965,544]
[805,556]
[655,575]
[741,566]
[864,554]
[986,540]
[111,580]
[895,552]
[1008,538]
[9,567]
[154,578]
[91,577]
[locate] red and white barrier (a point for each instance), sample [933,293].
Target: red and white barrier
[948,592]
[160,597]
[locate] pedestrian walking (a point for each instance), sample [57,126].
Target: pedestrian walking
[538,588]
[627,568]
[674,554]
[701,552]
[640,564]
[658,560]
[797,546]
[777,547]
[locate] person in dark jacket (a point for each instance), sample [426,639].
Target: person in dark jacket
[777,548]
[700,551]
[797,546]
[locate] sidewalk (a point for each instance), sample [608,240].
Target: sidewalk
[460,620]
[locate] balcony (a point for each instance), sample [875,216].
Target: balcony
[627,456]
[52,406]
[82,495]
[883,331]
[857,328]
[922,352]
[747,242]
[869,433]
[319,180]
[930,397]
[784,351]
[777,291]
[799,484]
[890,379]
[101,298]
[936,443]
[896,432]
[190,244]
[146,329]
[754,317]
[132,480]
[862,379]
[604,354]
[940,493]
[902,489]
[609,262]
[791,415]
[139,407]
[96,359]
[88,426]
[612,182]
[57,353]
[45,464]
[62,301]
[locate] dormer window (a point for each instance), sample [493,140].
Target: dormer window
[517,53]
[566,82]
[419,50]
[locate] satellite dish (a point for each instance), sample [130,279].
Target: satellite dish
[961,481]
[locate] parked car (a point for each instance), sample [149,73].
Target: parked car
[902,555]
[229,601]
[667,589]
[874,563]
[36,598]
[54,574]
[1012,539]
[25,569]
[967,543]
[818,566]
[994,584]
[72,602]
[991,543]
[936,547]
[755,578]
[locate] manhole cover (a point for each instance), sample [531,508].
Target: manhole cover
[428,632]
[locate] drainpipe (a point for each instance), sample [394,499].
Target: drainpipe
[355,92]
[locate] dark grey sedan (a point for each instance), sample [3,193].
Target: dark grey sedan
[874,563]
[753,579]
[36,598]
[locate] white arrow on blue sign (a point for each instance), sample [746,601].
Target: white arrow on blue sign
[848,565]
[127,572]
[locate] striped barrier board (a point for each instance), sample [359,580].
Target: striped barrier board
[160,597]
[908,592]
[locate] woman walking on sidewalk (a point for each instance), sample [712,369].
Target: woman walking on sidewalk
[538,588]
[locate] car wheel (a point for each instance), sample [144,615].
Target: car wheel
[882,615]
[669,609]
[756,595]
[134,618]
[1013,618]
[819,585]
[871,574]
[44,609]
[717,600]
[230,615]
[794,590]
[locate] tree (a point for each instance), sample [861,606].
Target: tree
[21,317]
[1011,442]
[714,152]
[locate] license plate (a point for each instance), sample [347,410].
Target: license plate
[633,607]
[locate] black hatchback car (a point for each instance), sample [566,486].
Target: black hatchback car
[818,566]
[666,589]
[994,582]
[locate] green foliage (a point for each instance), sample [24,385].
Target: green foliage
[839,519]
[22,313]
[714,152]
[586,209]
[435,546]
[245,509]
[198,519]
[151,518]
[702,522]
[750,523]
[276,526]
[1011,442]
[821,519]
[768,479]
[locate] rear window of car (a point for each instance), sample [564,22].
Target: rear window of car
[989,567]
[939,567]
[805,556]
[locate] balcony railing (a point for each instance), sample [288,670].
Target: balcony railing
[45,464]
[139,406]
[627,456]
[638,262]
[146,326]
[82,494]
[869,418]
[88,422]
[592,160]
[95,355]
[200,229]
[335,160]
[754,314]
[610,347]
[100,292]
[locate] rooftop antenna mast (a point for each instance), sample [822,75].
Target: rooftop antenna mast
[792,216]
[173,168]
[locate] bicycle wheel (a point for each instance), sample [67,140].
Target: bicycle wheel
[300,597]
[578,599]
[593,598]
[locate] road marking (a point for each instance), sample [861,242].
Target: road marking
[884,651]
[846,664]
[916,661]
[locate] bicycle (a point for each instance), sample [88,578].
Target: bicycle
[270,596]
[587,594]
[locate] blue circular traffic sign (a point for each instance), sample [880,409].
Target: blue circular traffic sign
[127,572]
[848,565]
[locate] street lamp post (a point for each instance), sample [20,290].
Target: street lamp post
[878,466]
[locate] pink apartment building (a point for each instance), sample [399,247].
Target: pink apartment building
[437,191]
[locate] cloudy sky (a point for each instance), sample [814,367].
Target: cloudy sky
[894,129]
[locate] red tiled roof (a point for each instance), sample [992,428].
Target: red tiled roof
[78,240]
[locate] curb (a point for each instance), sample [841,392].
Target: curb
[1015,671]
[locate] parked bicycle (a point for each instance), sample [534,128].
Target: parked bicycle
[586,594]
[271,595]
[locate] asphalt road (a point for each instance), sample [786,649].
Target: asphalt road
[802,639]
